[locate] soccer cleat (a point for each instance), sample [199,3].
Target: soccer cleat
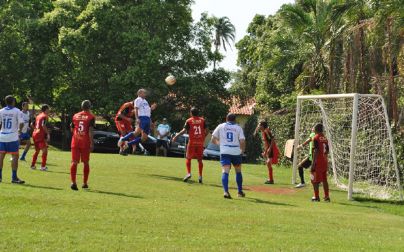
[74,187]
[314,199]
[300,185]
[200,180]
[227,195]
[327,199]
[0,180]
[186,178]
[17,181]
[44,168]
[22,159]
[33,167]
[241,194]
[123,153]
[269,182]
[84,186]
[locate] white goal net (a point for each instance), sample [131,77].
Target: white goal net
[362,158]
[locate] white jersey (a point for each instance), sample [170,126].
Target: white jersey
[143,107]
[10,119]
[229,135]
[26,117]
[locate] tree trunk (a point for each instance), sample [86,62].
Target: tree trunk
[393,112]
[364,85]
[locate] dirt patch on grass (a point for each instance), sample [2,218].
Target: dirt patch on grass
[269,189]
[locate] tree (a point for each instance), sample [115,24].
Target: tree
[225,34]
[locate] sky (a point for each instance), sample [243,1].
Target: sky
[240,13]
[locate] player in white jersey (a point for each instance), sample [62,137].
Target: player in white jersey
[143,122]
[230,137]
[11,124]
[25,137]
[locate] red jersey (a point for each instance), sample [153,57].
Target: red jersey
[40,123]
[127,109]
[196,130]
[267,138]
[81,124]
[320,145]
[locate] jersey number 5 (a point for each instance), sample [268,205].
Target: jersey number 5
[81,126]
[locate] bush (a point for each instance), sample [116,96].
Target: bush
[253,142]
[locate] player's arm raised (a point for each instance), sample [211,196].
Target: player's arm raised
[122,114]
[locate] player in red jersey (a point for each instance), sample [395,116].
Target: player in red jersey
[124,120]
[320,163]
[41,137]
[271,151]
[197,131]
[82,142]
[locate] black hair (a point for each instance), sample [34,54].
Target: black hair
[263,124]
[9,100]
[86,105]
[44,107]
[231,117]
[194,111]
[319,128]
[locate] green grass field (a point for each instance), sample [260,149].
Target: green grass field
[139,203]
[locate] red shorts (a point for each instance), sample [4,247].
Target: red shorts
[318,176]
[123,126]
[80,154]
[195,152]
[41,145]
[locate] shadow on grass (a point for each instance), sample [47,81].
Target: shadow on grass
[61,172]
[171,178]
[260,201]
[369,200]
[42,187]
[115,194]
[353,205]
[47,164]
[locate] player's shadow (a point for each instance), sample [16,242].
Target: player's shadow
[47,164]
[42,187]
[61,172]
[115,194]
[260,201]
[170,178]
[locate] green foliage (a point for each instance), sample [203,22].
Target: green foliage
[253,141]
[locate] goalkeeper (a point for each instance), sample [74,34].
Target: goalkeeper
[306,162]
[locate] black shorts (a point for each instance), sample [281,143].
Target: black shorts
[306,163]
[162,143]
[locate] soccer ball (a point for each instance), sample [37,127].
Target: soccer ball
[170,80]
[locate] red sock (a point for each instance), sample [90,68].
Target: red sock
[270,171]
[35,157]
[73,172]
[44,156]
[86,172]
[200,167]
[188,164]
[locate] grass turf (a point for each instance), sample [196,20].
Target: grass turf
[140,203]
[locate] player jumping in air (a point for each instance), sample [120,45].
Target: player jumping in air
[320,163]
[271,151]
[231,138]
[197,131]
[306,162]
[12,122]
[124,119]
[25,137]
[82,143]
[143,122]
[41,137]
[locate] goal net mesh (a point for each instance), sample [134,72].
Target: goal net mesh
[374,170]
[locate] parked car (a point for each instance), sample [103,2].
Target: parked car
[178,148]
[105,141]
[212,151]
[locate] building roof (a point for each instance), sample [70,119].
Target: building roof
[242,108]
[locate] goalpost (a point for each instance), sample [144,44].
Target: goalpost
[362,157]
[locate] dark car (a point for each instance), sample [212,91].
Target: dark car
[178,148]
[105,141]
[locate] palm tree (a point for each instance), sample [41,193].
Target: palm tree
[225,33]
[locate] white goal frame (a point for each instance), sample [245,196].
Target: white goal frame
[355,97]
